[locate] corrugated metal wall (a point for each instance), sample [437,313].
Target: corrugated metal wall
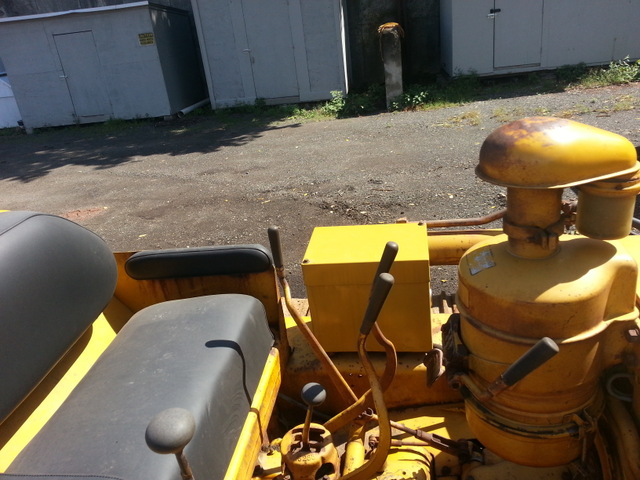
[93,65]
[419,19]
[16,8]
[279,51]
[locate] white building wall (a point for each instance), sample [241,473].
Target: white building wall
[9,113]
[279,51]
[126,71]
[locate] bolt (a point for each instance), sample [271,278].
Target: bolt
[633,335]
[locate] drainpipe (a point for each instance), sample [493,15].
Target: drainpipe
[391,50]
[191,108]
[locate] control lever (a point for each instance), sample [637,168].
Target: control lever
[308,449]
[340,420]
[535,357]
[332,371]
[381,288]
[384,266]
[313,395]
[169,432]
[386,261]
[276,246]
[379,292]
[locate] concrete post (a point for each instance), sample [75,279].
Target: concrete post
[391,50]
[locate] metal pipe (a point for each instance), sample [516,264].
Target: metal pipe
[626,437]
[381,288]
[467,222]
[191,108]
[354,453]
[364,402]
[447,247]
[379,456]
[330,368]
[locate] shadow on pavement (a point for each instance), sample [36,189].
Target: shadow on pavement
[25,158]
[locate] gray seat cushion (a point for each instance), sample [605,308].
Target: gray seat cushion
[204,354]
[56,278]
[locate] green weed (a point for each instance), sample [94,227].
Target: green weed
[412,99]
[616,73]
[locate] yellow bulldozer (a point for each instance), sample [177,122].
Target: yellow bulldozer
[196,363]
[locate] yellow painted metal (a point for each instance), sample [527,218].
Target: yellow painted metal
[378,457]
[305,462]
[631,244]
[254,431]
[138,294]
[534,283]
[366,401]
[24,423]
[584,298]
[407,463]
[447,247]
[354,453]
[410,462]
[338,268]
[607,207]
[625,437]
[545,152]
[501,469]
[533,221]
[408,389]
[329,367]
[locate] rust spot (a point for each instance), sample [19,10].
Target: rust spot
[499,152]
[83,214]
[497,145]
[391,27]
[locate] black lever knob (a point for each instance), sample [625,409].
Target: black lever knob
[381,288]
[533,358]
[276,246]
[169,432]
[388,256]
[313,394]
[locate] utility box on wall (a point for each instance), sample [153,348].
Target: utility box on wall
[280,51]
[495,37]
[90,65]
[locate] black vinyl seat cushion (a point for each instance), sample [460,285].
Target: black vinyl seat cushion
[203,354]
[55,279]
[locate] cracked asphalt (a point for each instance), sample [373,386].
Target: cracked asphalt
[199,181]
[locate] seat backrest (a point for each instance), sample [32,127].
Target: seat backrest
[55,279]
[153,276]
[199,262]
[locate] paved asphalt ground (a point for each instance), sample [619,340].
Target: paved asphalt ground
[198,181]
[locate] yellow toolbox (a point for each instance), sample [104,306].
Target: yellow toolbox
[338,269]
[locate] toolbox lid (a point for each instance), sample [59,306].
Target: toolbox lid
[349,255]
